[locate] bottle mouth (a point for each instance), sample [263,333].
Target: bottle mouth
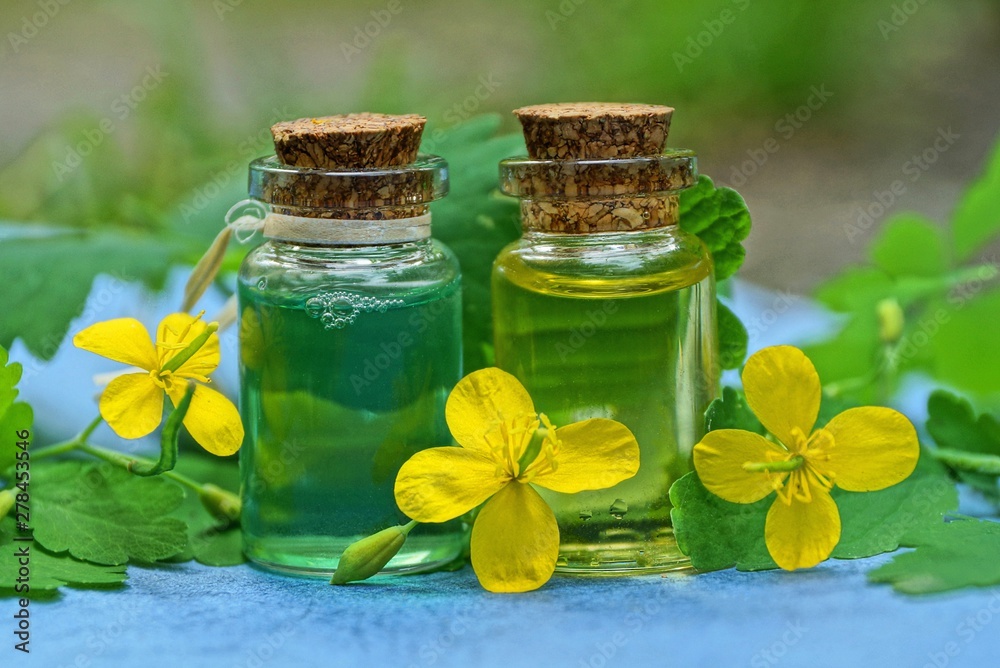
[665,174]
[413,185]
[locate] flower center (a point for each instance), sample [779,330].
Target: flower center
[541,454]
[508,438]
[795,473]
[163,379]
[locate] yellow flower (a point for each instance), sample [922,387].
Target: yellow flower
[860,450]
[515,540]
[186,349]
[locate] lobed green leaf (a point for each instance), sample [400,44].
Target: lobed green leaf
[948,556]
[49,571]
[719,216]
[104,514]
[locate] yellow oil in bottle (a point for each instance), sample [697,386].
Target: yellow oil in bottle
[620,326]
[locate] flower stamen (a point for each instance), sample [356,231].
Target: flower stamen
[542,459]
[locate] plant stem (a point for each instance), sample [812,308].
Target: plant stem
[888,372]
[130,464]
[85,434]
[55,449]
[72,444]
[126,462]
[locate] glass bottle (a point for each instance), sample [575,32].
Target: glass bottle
[350,341]
[606,308]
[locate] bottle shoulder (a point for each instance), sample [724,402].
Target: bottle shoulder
[281,255]
[647,261]
[422,265]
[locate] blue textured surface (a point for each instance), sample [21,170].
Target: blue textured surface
[197,616]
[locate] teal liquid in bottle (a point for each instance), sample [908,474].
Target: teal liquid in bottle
[350,341]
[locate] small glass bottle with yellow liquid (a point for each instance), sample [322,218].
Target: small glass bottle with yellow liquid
[350,341]
[606,308]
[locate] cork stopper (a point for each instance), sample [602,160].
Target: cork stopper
[355,166]
[594,130]
[597,167]
[350,141]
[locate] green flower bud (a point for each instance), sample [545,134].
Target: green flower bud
[220,503]
[6,502]
[368,556]
[890,320]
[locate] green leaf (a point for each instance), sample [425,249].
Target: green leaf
[857,288]
[733,338]
[876,522]
[210,541]
[953,424]
[49,278]
[717,534]
[909,244]
[977,217]
[948,556]
[475,220]
[15,416]
[48,571]
[105,515]
[850,355]
[730,411]
[719,216]
[218,545]
[963,328]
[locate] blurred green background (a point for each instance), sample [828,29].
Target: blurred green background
[188,86]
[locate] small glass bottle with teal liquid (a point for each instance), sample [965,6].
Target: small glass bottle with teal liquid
[350,341]
[606,308]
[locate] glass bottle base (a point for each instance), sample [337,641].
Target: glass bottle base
[310,556]
[623,555]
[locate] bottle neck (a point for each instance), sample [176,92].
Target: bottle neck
[342,227]
[588,215]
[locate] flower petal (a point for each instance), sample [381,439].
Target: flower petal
[122,340]
[439,484]
[479,400]
[515,541]
[719,460]
[874,448]
[211,419]
[174,333]
[783,390]
[132,405]
[802,534]
[593,454]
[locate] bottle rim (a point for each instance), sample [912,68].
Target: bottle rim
[418,183]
